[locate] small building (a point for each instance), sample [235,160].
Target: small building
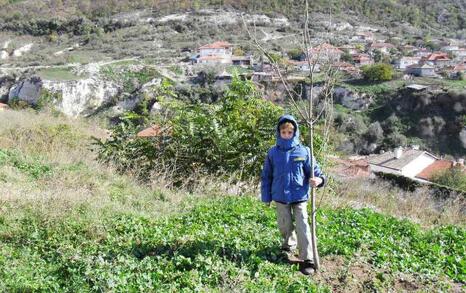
[404,62]
[346,67]
[216,49]
[403,162]
[438,59]
[349,48]
[4,107]
[214,60]
[423,70]
[324,53]
[360,59]
[417,87]
[422,52]
[456,70]
[430,171]
[242,60]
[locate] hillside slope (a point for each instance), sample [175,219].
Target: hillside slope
[68,223]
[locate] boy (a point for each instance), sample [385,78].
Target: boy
[285,179]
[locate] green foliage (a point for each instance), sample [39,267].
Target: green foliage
[32,167]
[221,244]
[231,136]
[295,54]
[454,178]
[126,151]
[377,72]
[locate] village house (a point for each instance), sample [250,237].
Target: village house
[403,162]
[382,47]
[424,70]
[349,48]
[347,68]
[242,60]
[221,49]
[404,62]
[4,107]
[360,59]
[324,53]
[303,66]
[427,174]
[422,52]
[439,59]
[455,70]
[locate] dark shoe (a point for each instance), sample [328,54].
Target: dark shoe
[306,267]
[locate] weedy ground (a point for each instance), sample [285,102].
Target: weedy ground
[68,223]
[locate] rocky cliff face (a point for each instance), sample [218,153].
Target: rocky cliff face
[72,97]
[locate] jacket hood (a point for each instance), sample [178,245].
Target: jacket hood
[287,144]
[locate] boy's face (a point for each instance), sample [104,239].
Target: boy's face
[286,133]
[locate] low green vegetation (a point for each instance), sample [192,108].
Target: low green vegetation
[453,177]
[131,78]
[377,72]
[58,73]
[221,244]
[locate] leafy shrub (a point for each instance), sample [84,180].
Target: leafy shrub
[232,135]
[453,177]
[377,72]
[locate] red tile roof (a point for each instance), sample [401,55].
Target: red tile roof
[326,47]
[429,171]
[438,56]
[217,45]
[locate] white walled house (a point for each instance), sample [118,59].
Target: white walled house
[219,49]
[404,62]
[407,163]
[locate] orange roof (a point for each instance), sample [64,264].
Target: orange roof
[429,171]
[217,45]
[438,56]
[152,131]
[326,47]
[361,56]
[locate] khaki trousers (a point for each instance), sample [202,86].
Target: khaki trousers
[285,215]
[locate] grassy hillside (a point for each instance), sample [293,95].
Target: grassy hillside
[445,15]
[70,224]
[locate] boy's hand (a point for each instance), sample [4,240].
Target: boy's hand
[315,181]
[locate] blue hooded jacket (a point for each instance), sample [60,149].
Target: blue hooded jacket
[287,169]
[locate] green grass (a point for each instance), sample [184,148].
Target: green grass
[60,73]
[374,88]
[221,244]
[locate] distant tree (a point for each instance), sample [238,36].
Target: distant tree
[238,51]
[377,55]
[377,72]
[295,54]
[347,57]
